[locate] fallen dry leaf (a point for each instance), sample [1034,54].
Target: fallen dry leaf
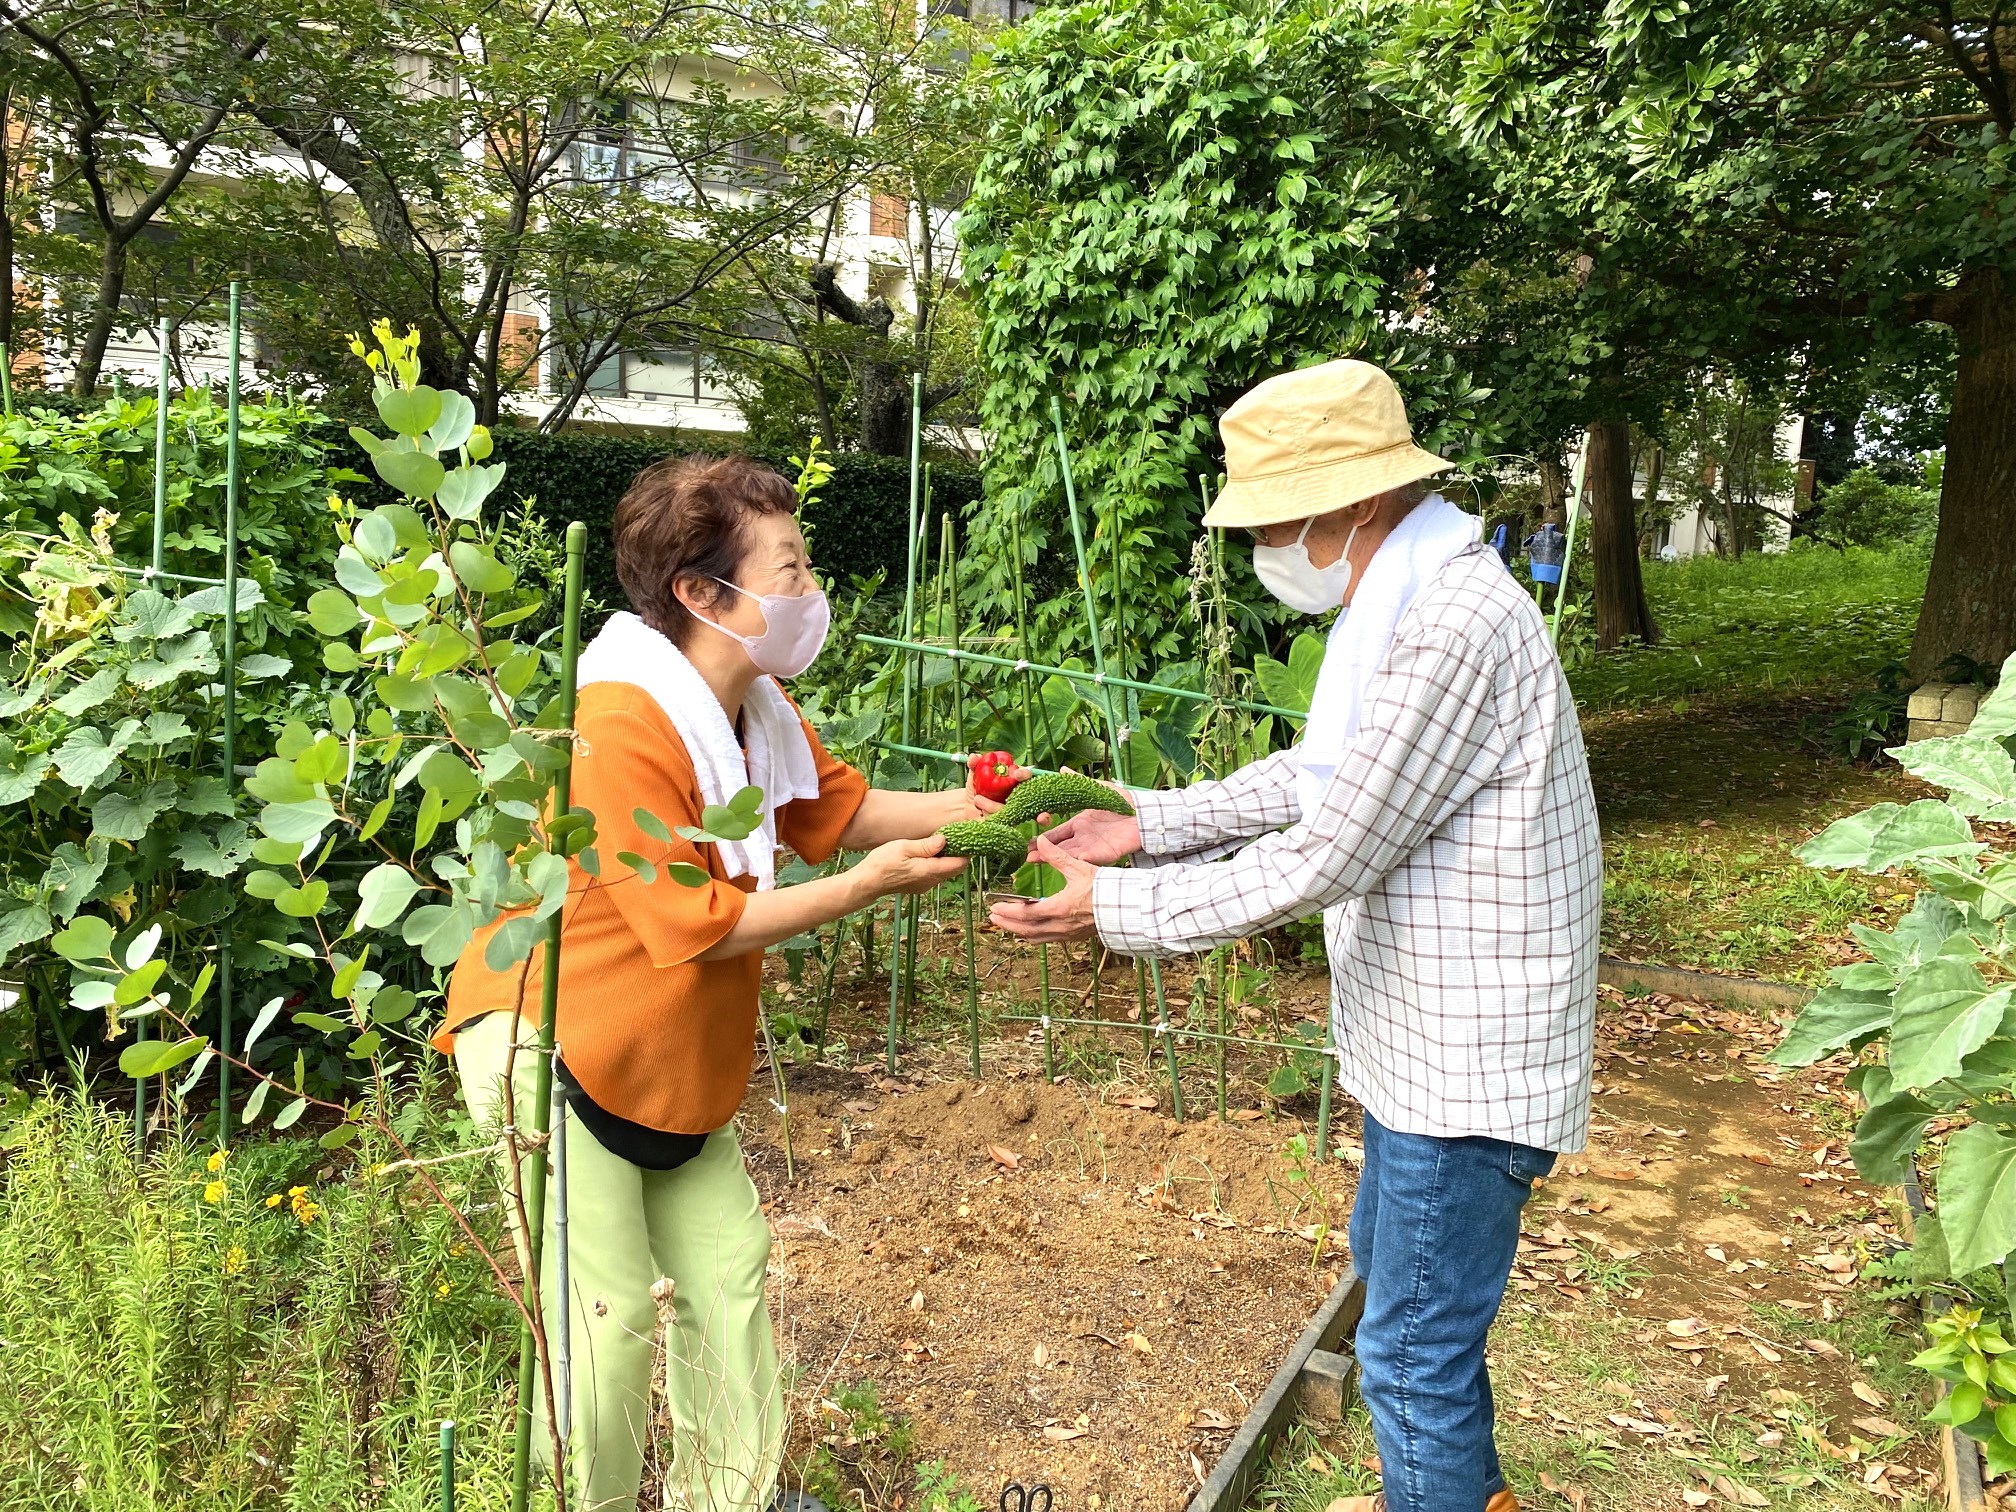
[1134,1100]
[1869,1394]
[1003,1156]
[1685,1328]
[1139,1343]
[1712,1386]
[1715,1252]
[1060,1435]
[1246,1115]
[1766,1353]
[917,1300]
[1823,1348]
[1882,1427]
[1695,1498]
[1212,1420]
[1575,1496]
[1740,1494]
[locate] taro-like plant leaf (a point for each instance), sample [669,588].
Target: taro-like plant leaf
[1837,1016]
[193,655]
[409,411]
[152,1057]
[461,493]
[217,855]
[154,616]
[1944,1011]
[1977,1196]
[478,569]
[383,895]
[85,757]
[86,939]
[1889,835]
[413,473]
[23,925]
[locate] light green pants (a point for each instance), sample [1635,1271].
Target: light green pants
[700,1226]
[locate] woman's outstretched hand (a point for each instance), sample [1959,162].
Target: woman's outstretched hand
[907,866]
[980,807]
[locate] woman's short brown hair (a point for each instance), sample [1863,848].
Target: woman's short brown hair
[688,517]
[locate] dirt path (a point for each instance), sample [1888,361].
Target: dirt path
[1688,1323]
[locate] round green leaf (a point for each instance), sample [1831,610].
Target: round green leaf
[413,473]
[152,1057]
[409,411]
[87,939]
[383,895]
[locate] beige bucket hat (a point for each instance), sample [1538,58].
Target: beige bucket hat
[1307,442]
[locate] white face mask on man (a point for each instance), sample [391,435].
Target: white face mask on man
[794,630]
[1288,574]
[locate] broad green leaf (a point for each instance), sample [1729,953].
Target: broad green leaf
[266,884]
[255,1104]
[87,939]
[160,729]
[1835,1017]
[23,925]
[368,443]
[651,824]
[193,656]
[290,1115]
[413,473]
[354,574]
[74,875]
[1944,1010]
[365,1045]
[338,1137]
[152,615]
[405,694]
[215,855]
[343,986]
[301,821]
[748,802]
[1996,716]
[438,931]
[383,895]
[140,949]
[332,612]
[547,876]
[451,428]
[512,943]
[1918,935]
[90,693]
[686,874]
[409,411]
[1889,835]
[128,816]
[461,493]
[644,869]
[85,757]
[153,1057]
[1977,1197]
[1887,1134]
[1973,767]
[478,568]
[392,1005]
[377,541]
[138,983]
[380,811]
[342,714]
[256,668]
[305,901]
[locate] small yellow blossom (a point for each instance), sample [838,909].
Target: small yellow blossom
[443,1289]
[299,1191]
[216,1161]
[213,1192]
[275,1200]
[234,1260]
[304,1208]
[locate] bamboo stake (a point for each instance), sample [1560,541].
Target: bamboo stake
[959,738]
[563,1351]
[1575,485]
[1113,731]
[909,609]
[230,587]
[534,1173]
[154,562]
[6,381]
[1031,702]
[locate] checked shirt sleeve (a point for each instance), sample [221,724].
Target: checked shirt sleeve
[1256,798]
[1429,739]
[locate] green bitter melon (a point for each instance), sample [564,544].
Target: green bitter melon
[1060,795]
[985,838]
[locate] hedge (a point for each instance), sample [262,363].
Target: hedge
[857,526]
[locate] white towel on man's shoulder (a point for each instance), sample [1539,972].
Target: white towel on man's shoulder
[778,759]
[1421,545]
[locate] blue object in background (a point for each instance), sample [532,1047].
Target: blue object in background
[1546,550]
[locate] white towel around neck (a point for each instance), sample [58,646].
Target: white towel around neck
[1420,546]
[779,758]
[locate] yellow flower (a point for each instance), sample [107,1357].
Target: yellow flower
[304,1208]
[299,1191]
[234,1260]
[216,1161]
[275,1200]
[214,1192]
[443,1289]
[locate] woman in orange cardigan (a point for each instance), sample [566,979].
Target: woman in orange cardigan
[658,996]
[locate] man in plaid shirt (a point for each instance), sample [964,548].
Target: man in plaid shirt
[1438,812]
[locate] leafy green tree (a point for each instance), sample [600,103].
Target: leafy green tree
[1811,175]
[1176,201]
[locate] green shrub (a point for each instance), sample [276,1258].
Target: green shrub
[1863,510]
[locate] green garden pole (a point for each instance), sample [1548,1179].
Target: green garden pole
[1112,720]
[154,565]
[6,381]
[448,1465]
[224,996]
[1329,1083]
[1575,483]
[909,663]
[1031,702]
[959,739]
[549,998]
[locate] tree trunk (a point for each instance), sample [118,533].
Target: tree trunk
[1970,596]
[1621,610]
[104,316]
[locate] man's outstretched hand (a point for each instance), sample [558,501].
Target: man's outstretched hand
[1093,835]
[1062,916]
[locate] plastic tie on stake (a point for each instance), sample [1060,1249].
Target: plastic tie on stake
[1046,1023]
[782,1110]
[1022,664]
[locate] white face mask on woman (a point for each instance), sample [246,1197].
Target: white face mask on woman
[794,630]
[1287,573]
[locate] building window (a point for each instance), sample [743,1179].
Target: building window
[888,215]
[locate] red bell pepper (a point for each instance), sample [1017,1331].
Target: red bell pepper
[993,774]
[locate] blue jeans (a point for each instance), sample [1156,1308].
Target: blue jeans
[1433,1232]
